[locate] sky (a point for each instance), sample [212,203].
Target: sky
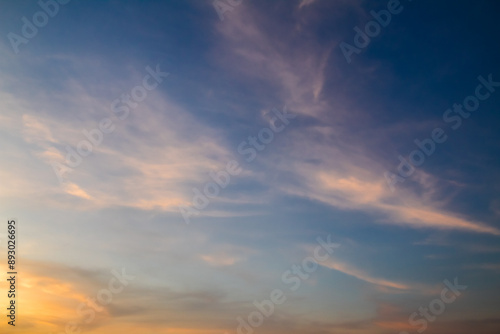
[251,166]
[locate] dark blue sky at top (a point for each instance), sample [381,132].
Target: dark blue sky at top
[427,58]
[396,90]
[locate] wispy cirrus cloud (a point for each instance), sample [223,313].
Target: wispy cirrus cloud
[360,274]
[145,178]
[346,174]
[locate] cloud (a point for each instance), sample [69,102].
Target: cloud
[52,293]
[345,185]
[305,3]
[150,162]
[227,255]
[75,190]
[483,266]
[359,274]
[346,175]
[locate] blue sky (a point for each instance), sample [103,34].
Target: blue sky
[321,175]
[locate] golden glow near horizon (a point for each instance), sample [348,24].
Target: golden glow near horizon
[250,167]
